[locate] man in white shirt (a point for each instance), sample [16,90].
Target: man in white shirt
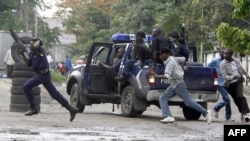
[174,73]
[50,60]
[8,62]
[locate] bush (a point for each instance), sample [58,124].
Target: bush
[57,77]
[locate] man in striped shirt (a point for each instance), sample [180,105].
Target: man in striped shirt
[232,71]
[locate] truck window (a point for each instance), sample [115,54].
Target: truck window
[100,54]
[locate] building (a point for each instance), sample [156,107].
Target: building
[58,50]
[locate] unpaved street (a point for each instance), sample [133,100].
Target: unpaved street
[98,122]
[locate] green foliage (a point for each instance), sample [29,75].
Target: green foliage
[49,36]
[234,37]
[21,17]
[97,20]
[132,16]
[241,8]
[57,77]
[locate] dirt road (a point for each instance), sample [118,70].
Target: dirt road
[98,122]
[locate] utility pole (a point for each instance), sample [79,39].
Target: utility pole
[201,47]
[36,22]
[26,14]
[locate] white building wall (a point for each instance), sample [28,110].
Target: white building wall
[6,42]
[58,51]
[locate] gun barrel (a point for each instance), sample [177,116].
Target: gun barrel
[16,37]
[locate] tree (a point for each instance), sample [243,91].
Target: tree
[233,37]
[21,17]
[97,20]
[131,16]
[88,20]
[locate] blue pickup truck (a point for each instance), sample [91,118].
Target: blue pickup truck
[141,89]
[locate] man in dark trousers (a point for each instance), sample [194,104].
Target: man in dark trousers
[159,41]
[233,72]
[38,61]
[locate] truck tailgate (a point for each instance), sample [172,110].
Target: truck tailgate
[196,77]
[199,78]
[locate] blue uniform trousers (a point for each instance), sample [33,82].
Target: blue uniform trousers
[44,79]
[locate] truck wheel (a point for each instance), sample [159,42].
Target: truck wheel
[139,113]
[127,102]
[190,114]
[75,98]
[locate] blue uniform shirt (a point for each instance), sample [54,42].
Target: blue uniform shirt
[215,63]
[38,60]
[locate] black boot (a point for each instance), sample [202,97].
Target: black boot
[73,111]
[32,111]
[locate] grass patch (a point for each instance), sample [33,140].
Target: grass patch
[57,77]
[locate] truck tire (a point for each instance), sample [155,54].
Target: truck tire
[18,90]
[22,99]
[20,66]
[191,114]
[127,102]
[16,47]
[75,98]
[19,81]
[21,107]
[25,74]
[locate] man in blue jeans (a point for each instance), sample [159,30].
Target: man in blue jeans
[174,73]
[221,88]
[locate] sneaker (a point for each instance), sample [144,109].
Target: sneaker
[209,117]
[216,114]
[168,120]
[246,118]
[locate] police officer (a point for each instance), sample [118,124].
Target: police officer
[38,61]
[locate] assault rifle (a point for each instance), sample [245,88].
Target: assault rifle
[19,41]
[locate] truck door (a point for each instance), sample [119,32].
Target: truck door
[101,53]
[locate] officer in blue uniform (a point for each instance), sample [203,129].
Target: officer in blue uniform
[38,61]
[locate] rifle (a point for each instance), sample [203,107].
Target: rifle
[19,40]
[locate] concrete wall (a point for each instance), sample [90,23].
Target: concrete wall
[58,53]
[6,42]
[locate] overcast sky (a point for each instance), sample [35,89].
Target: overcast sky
[48,12]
